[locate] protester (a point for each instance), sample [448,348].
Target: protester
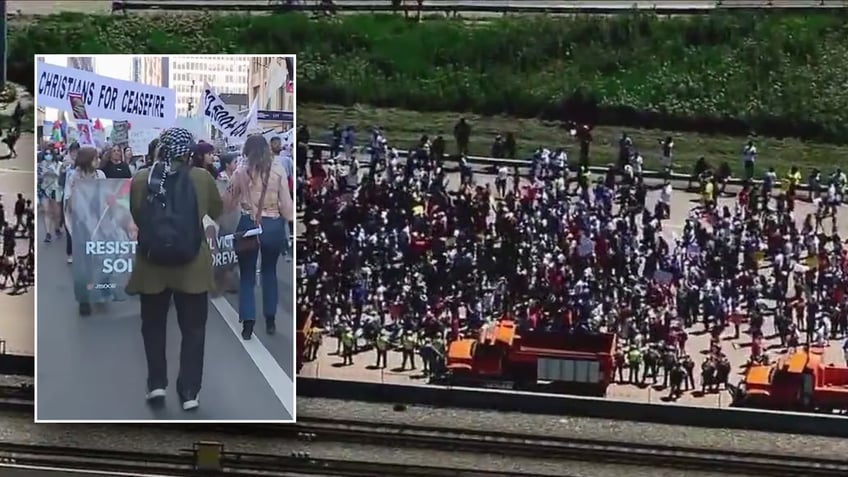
[113,164]
[84,169]
[415,258]
[51,192]
[168,202]
[202,157]
[259,186]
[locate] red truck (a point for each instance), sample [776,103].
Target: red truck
[800,381]
[500,357]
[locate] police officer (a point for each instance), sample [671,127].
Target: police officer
[314,340]
[678,374]
[347,346]
[634,362]
[426,352]
[381,344]
[409,345]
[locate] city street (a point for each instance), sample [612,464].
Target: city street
[95,367]
[17,176]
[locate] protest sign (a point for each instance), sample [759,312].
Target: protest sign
[223,118]
[120,133]
[139,138]
[77,106]
[105,97]
[104,240]
[85,136]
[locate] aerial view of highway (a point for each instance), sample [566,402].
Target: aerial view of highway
[598,241]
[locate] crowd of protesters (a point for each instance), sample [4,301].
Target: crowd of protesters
[255,182]
[399,255]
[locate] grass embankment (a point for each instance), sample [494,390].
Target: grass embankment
[776,75]
[404,128]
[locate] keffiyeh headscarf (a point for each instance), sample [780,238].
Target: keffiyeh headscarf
[174,143]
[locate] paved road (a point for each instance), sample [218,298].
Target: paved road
[93,368]
[329,364]
[16,320]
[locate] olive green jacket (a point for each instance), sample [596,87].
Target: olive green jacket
[197,276]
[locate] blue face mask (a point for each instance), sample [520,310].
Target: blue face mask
[216,164]
[48,157]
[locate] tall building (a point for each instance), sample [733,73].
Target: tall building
[152,70]
[186,74]
[226,74]
[136,69]
[257,80]
[85,63]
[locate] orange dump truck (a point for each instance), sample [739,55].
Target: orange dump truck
[500,357]
[304,324]
[799,381]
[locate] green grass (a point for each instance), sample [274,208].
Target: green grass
[781,74]
[403,128]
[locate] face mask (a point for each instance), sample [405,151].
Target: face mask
[48,157]
[216,164]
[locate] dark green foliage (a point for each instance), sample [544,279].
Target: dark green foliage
[776,74]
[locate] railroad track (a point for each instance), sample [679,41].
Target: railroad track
[17,398]
[568,449]
[313,429]
[199,461]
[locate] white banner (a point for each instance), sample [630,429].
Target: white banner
[225,120]
[109,98]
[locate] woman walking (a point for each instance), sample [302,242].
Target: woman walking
[51,170]
[75,213]
[260,187]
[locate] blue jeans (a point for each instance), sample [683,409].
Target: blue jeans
[272,242]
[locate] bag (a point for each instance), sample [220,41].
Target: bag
[169,231]
[251,244]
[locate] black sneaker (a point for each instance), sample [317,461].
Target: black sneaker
[85,309]
[247,329]
[270,327]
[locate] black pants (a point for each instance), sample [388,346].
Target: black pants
[192,311]
[69,249]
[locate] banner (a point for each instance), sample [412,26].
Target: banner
[222,117]
[104,241]
[105,97]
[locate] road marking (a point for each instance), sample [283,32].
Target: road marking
[280,382]
[19,171]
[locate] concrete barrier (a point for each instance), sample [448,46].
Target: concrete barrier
[15,365]
[496,162]
[537,403]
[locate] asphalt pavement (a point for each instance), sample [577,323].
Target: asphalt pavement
[93,368]
[16,320]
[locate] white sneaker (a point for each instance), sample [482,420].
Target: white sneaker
[70,259]
[156,394]
[190,405]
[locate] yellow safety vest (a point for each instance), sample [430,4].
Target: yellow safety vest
[381,343]
[409,343]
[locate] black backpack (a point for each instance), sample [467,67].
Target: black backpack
[169,230]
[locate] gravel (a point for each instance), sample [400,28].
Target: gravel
[587,428]
[18,428]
